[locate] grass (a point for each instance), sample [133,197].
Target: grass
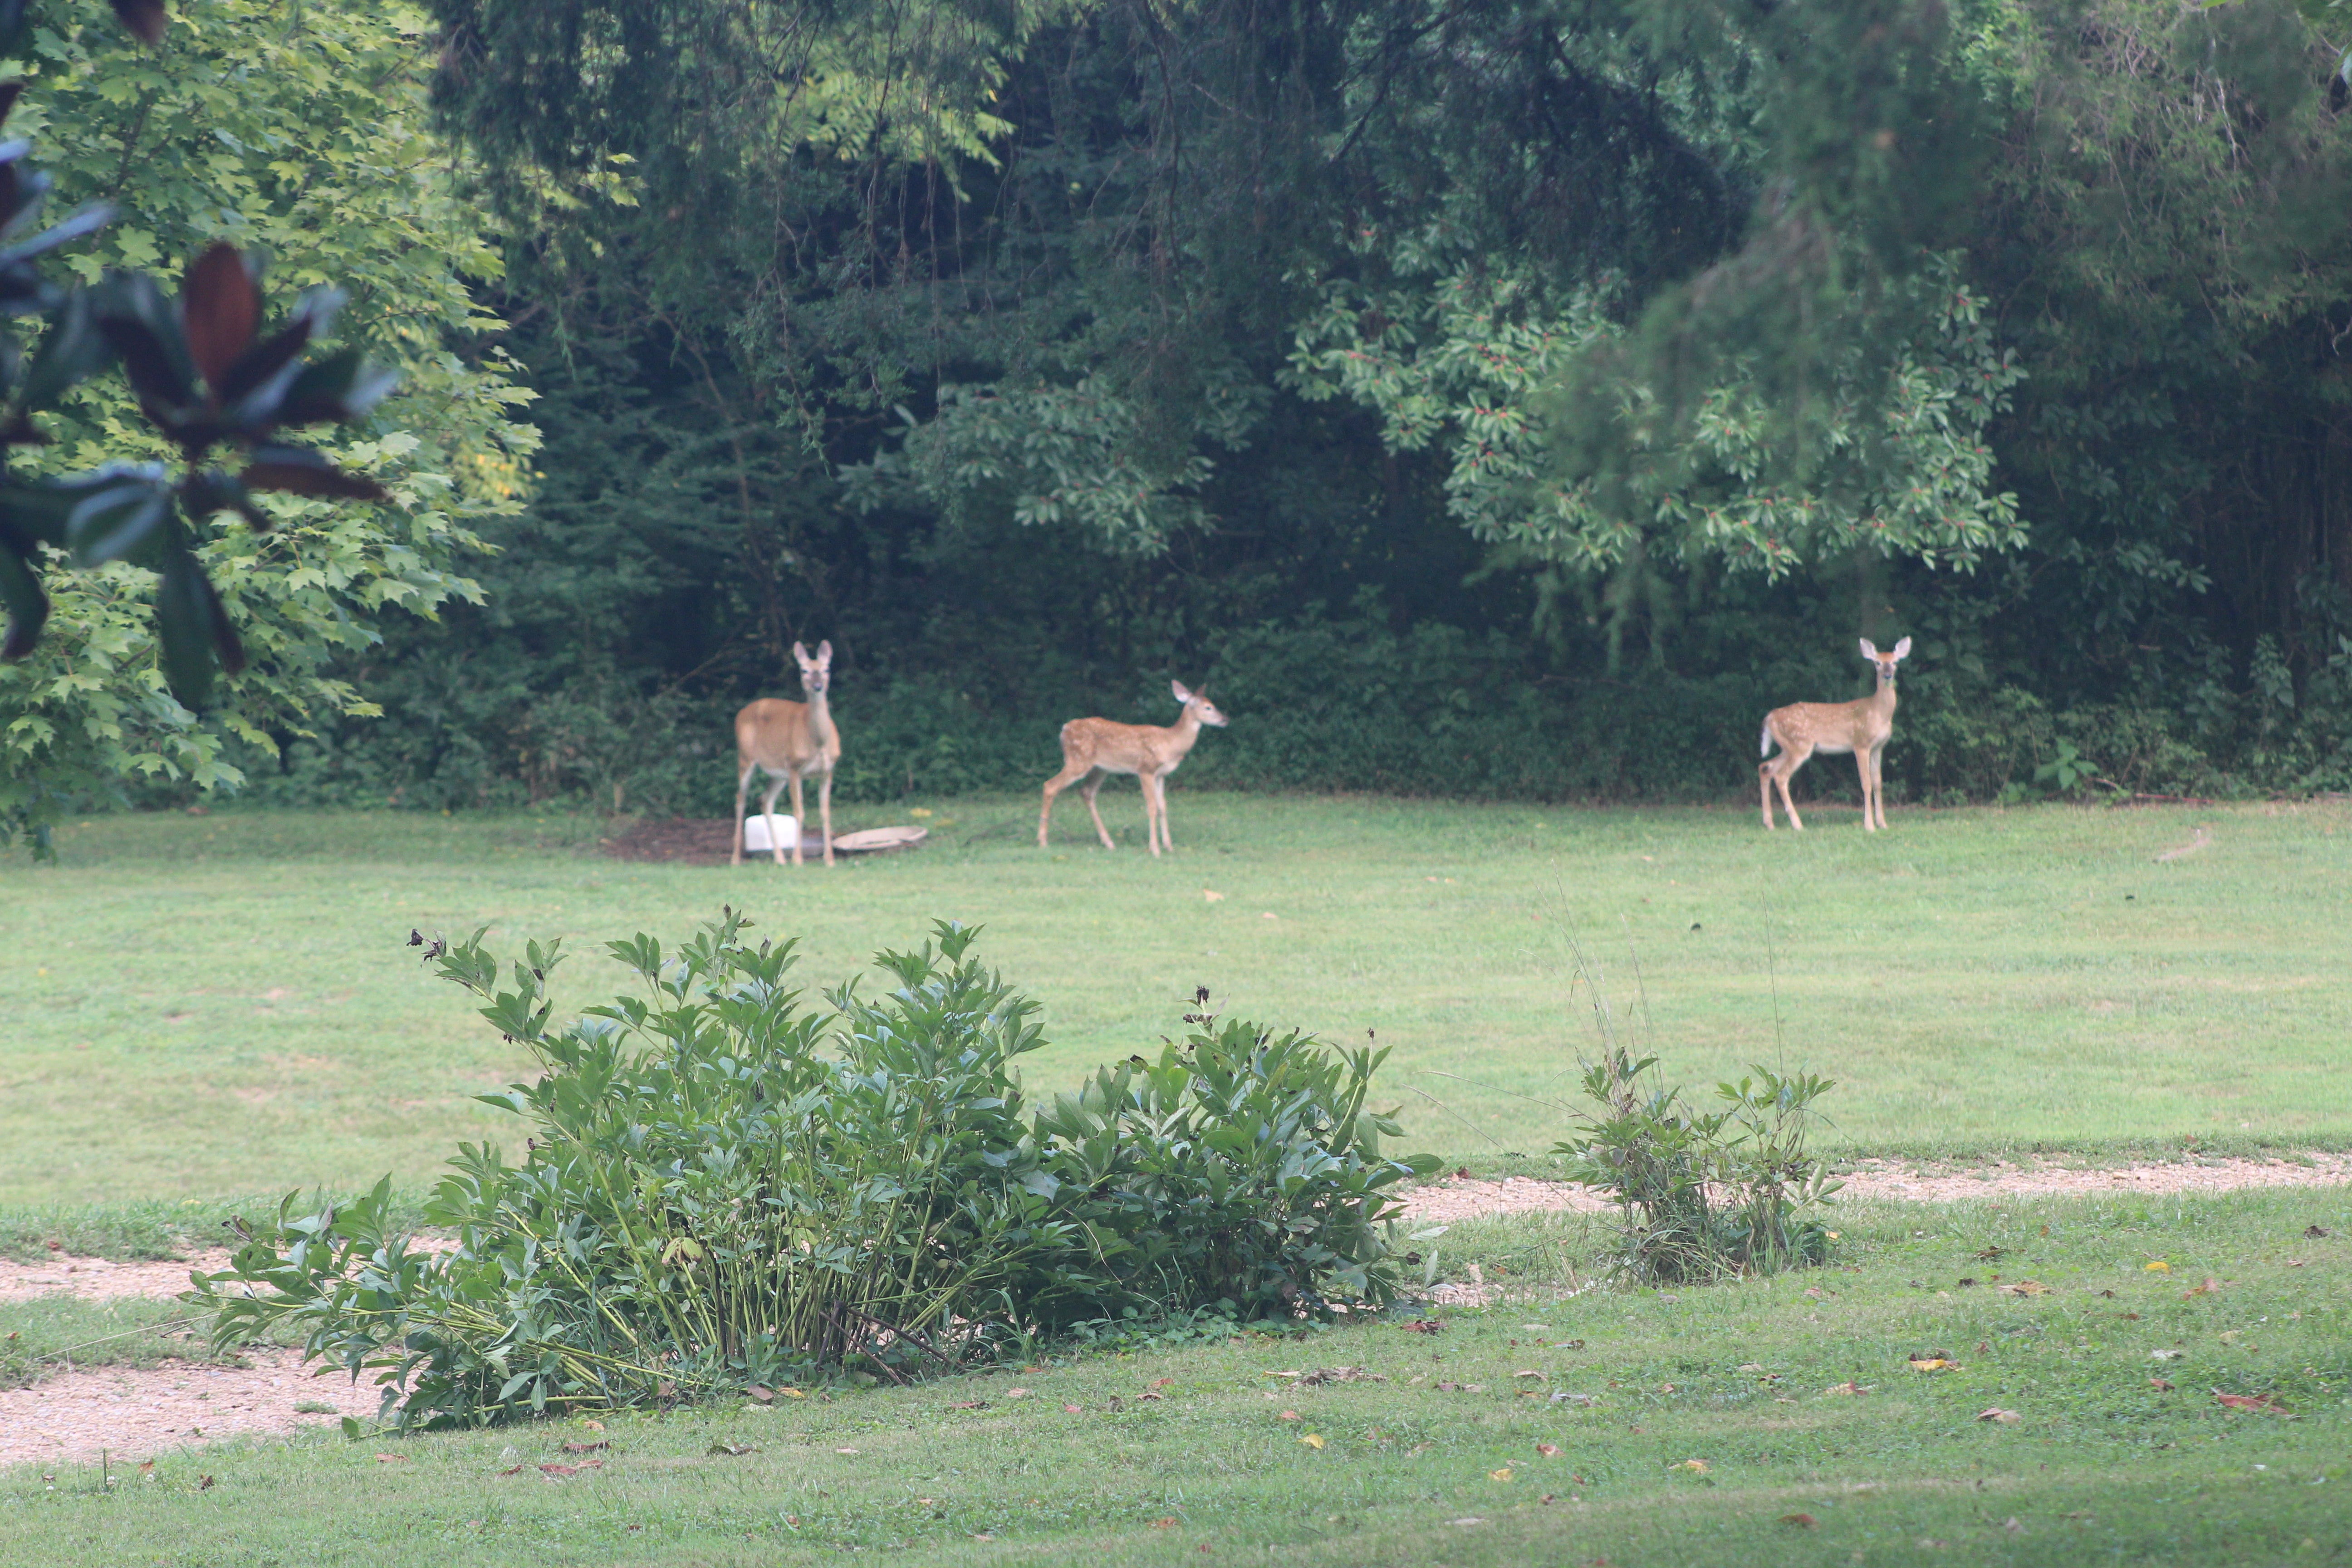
[2100,1466]
[208,1006]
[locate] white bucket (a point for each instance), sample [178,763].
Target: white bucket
[755,834]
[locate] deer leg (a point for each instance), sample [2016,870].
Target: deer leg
[743,789]
[1791,759]
[1764,780]
[800,821]
[1087,790]
[1160,788]
[1155,809]
[768,810]
[1071,772]
[1878,781]
[1869,792]
[825,810]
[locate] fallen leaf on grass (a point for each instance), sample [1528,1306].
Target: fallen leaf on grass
[2166,1355]
[2261,1404]
[983,1535]
[1423,1326]
[2316,1231]
[1549,1450]
[1934,1364]
[203,1483]
[2026,1287]
[560,1471]
[1472,1520]
[1288,1416]
[1338,1374]
[2005,1417]
[1148,1394]
[1162,1381]
[1539,1376]
[2211,1287]
[1848,1388]
[1074,1410]
[1696,1467]
[1502,1475]
[1169,1523]
[1213,898]
[1802,1520]
[147,1469]
[1016,1394]
[1576,1401]
[392,1459]
[971,1405]
[1313,1440]
[511,1470]
[1989,1253]
[737,1449]
[762,1392]
[585,1447]
[844,1450]
[2162,1385]
[2159,1267]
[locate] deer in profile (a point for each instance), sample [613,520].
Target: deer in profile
[788,741]
[1094,749]
[1862,727]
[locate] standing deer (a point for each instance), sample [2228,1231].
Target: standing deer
[790,741]
[1094,749]
[1862,727]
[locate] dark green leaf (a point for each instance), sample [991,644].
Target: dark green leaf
[27,605]
[183,626]
[213,491]
[116,520]
[12,32]
[339,388]
[72,349]
[145,331]
[298,470]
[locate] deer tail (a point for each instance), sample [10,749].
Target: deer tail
[1764,739]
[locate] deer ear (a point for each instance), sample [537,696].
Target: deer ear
[1869,650]
[1178,687]
[800,653]
[1903,648]
[824,652]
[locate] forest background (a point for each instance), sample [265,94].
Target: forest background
[1483,398]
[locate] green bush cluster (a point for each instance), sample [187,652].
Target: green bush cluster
[723,1188]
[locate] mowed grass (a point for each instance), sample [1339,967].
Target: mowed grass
[1704,1426]
[222,1004]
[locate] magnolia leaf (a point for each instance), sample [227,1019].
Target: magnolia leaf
[71,349]
[27,605]
[117,517]
[220,310]
[298,470]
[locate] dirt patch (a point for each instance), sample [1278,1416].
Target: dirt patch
[135,1413]
[1447,1201]
[710,841]
[94,1279]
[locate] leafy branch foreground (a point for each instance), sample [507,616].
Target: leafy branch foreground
[724,1190]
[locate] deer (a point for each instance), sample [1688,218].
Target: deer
[1862,727]
[790,741]
[1094,749]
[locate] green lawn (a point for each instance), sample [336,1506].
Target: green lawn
[1440,1463]
[222,1005]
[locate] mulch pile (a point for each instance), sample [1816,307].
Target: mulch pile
[685,840]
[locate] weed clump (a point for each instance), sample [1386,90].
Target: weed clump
[723,1189]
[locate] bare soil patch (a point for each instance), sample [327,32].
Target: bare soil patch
[95,1278]
[135,1413]
[710,841]
[1444,1202]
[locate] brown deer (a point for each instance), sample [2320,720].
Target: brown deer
[1094,749]
[790,741]
[1862,727]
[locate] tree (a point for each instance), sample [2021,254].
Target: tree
[298,138]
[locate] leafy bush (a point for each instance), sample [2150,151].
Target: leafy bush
[723,1189]
[1704,1194]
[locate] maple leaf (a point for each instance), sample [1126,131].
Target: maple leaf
[2006,1418]
[1549,1450]
[1802,1520]
[2259,1404]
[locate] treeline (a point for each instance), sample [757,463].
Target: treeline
[1497,401]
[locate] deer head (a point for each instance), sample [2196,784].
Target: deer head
[1886,661]
[817,673]
[1198,704]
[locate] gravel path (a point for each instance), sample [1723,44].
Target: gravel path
[135,1415]
[1457,1198]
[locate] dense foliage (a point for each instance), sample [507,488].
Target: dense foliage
[723,1189]
[1584,377]
[299,139]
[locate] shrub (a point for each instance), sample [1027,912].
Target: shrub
[1704,1194]
[724,1189]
